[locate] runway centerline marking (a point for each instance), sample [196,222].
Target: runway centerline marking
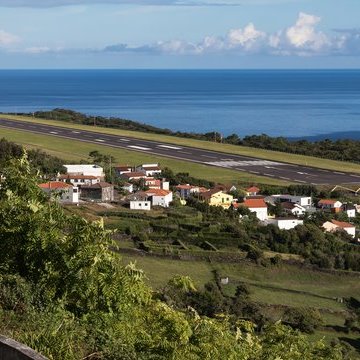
[124,140]
[53,132]
[100,140]
[138,147]
[169,147]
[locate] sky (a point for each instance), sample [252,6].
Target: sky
[236,34]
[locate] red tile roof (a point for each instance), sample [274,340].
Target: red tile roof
[253,189]
[55,185]
[254,203]
[157,192]
[327,202]
[342,224]
[184,187]
[134,174]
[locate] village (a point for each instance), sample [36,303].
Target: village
[143,188]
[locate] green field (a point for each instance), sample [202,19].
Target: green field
[72,150]
[227,148]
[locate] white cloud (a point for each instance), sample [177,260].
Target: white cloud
[301,39]
[303,34]
[7,39]
[247,38]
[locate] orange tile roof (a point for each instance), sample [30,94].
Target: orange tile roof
[327,201]
[158,192]
[342,224]
[185,187]
[254,203]
[253,189]
[53,185]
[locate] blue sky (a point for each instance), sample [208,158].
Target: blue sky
[179,34]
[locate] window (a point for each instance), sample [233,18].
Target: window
[146,204]
[139,204]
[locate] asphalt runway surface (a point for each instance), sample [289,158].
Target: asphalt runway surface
[272,169]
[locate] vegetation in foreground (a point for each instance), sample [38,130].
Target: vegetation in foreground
[67,295]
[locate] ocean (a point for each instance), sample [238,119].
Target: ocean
[290,103]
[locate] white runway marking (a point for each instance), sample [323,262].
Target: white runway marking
[101,140]
[76,132]
[229,164]
[355,175]
[53,132]
[138,147]
[124,140]
[338,172]
[169,147]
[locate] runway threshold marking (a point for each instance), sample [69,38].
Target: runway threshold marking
[169,147]
[138,147]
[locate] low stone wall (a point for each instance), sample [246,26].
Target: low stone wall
[12,350]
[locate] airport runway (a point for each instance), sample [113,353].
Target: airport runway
[273,169]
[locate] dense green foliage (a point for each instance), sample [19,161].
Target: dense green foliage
[66,294]
[345,150]
[47,164]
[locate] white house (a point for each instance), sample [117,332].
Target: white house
[86,169]
[330,204]
[304,201]
[258,206]
[78,180]
[65,193]
[149,169]
[160,197]
[293,209]
[334,225]
[139,201]
[122,169]
[252,191]
[285,223]
[350,210]
[128,187]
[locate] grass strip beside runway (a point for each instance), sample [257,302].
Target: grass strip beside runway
[74,151]
[226,148]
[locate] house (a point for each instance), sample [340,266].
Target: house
[293,209]
[252,191]
[334,225]
[330,205]
[349,209]
[152,183]
[122,169]
[149,169]
[64,192]
[78,180]
[86,169]
[128,187]
[160,197]
[285,223]
[187,190]
[101,191]
[133,176]
[258,206]
[216,197]
[139,201]
[304,201]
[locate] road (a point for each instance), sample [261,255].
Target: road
[252,165]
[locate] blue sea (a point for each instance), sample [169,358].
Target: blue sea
[291,103]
